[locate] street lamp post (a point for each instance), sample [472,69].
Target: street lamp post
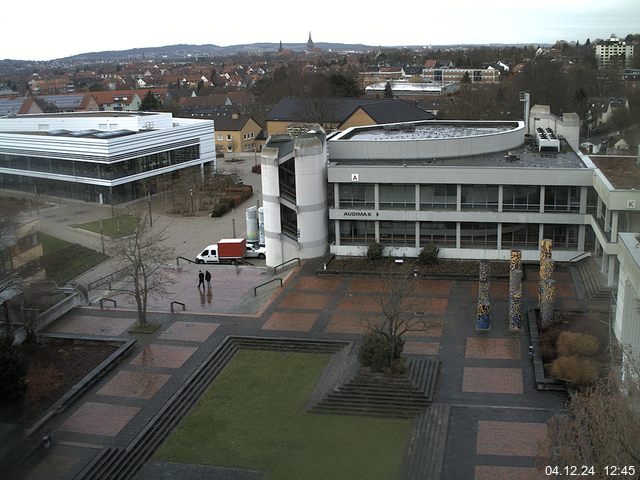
[191,195]
[150,216]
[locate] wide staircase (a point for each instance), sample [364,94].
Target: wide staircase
[384,395]
[587,273]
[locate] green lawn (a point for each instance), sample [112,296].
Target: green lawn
[253,417]
[113,227]
[64,261]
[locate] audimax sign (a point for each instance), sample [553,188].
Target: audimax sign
[359,213]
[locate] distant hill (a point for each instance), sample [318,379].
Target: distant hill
[191,51]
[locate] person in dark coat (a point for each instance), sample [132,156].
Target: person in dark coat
[200,279]
[207,277]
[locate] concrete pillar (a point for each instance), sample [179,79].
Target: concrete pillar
[614,226]
[582,235]
[607,221]
[458,234]
[515,300]
[376,196]
[547,303]
[546,268]
[377,231]
[499,234]
[604,267]
[417,197]
[612,271]
[459,199]
[417,242]
[483,320]
[599,208]
[336,195]
[337,232]
[541,201]
[583,200]
[500,199]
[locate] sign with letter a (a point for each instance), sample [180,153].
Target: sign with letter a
[355,177]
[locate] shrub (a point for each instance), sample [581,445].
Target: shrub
[399,366]
[375,352]
[374,252]
[572,343]
[219,209]
[574,369]
[13,372]
[428,255]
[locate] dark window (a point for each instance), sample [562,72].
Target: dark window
[562,199]
[398,233]
[479,235]
[440,234]
[438,197]
[357,232]
[398,197]
[520,198]
[479,197]
[520,235]
[356,195]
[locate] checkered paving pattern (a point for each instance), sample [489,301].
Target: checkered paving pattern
[346,322]
[189,331]
[433,287]
[492,380]
[361,304]
[297,322]
[128,384]
[493,348]
[300,300]
[163,356]
[433,306]
[99,419]
[86,325]
[513,439]
[318,283]
[367,285]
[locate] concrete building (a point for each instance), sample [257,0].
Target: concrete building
[105,157]
[614,51]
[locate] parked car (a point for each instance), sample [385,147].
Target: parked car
[255,250]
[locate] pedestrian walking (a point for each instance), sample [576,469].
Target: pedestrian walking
[200,279]
[207,277]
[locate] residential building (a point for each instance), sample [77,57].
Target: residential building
[601,109]
[12,105]
[456,75]
[104,157]
[295,115]
[118,100]
[70,102]
[236,133]
[614,52]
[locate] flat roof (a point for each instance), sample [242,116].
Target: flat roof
[436,129]
[90,114]
[525,156]
[622,172]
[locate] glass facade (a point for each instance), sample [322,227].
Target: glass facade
[287,176]
[439,234]
[398,233]
[478,235]
[562,199]
[438,197]
[520,235]
[289,222]
[565,237]
[360,196]
[357,233]
[520,198]
[479,197]
[398,197]
[101,171]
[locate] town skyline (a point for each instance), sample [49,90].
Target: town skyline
[492,22]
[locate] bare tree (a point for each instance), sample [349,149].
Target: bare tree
[398,302]
[602,427]
[144,257]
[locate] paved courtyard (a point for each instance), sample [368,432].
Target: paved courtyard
[497,419]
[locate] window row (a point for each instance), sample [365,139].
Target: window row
[472,235]
[101,170]
[521,198]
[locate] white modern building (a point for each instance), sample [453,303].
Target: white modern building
[102,157]
[614,51]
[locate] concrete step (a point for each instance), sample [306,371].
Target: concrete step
[425,454]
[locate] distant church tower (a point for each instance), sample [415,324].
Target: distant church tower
[310,45]
[280,47]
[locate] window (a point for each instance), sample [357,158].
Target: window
[438,197]
[439,234]
[398,197]
[520,235]
[228,137]
[398,233]
[356,195]
[520,198]
[479,235]
[479,197]
[229,147]
[562,199]
[564,237]
[289,222]
[357,232]
[220,137]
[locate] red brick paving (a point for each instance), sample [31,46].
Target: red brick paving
[53,465]
[99,419]
[493,348]
[513,439]
[298,322]
[361,303]
[347,322]
[318,283]
[492,380]
[421,348]
[367,285]
[429,328]
[129,384]
[484,472]
[300,300]
[433,306]
[163,356]
[99,326]
[433,287]
[189,331]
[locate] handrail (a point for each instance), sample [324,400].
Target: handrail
[106,279]
[179,303]
[583,254]
[183,258]
[115,304]
[255,289]
[275,269]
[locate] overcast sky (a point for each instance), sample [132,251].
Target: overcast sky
[44,30]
